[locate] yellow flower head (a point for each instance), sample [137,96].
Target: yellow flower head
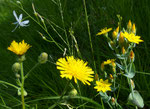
[104,31]
[132,38]
[75,68]
[133,28]
[19,48]
[102,86]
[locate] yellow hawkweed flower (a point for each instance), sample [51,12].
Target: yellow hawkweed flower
[102,86]
[19,48]
[133,28]
[132,38]
[129,24]
[104,31]
[75,68]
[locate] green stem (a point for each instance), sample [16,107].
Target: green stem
[109,105]
[26,76]
[63,93]
[22,86]
[89,33]
[102,103]
[3,82]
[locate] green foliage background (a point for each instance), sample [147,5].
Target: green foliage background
[45,78]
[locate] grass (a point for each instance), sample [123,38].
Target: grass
[45,79]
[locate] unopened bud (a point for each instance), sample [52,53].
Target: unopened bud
[129,25]
[133,29]
[117,29]
[43,58]
[113,101]
[132,55]
[16,67]
[121,38]
[17,75]
[111,77]
[19,92]
[102,66]
[18,2]
[132,84]
[96,77]
[123,50]
[114,34]
[73,92]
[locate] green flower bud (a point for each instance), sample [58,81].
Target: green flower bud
[19,92]
[43,58]
[16,67]
[73,92]
[22,58]
[17,75]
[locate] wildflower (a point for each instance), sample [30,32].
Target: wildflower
[96,77]
[104,31]
[75,68]
[115,33]
[19,48]
[132,38]
[19,21]
[102,86]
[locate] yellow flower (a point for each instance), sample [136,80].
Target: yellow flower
[19,48]
[75,68]
[133,28]
[102,86]
[132,38]
[129,24]
[104,31]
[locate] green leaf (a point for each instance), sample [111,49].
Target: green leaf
[136,99]
[131,71]
[120,66]
[105,97]
[122,56]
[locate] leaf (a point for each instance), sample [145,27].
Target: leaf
[105,97]
[120,66]
[131,71]
[122,56]
[136,99]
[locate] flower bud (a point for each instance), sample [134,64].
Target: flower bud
[117,29]
[43,58]
[18,2]
[17,75]
[123,50]
[16,67]
[73,92]
[102,66]
[111,77]
[121,38]
[113,101]
[96,77]
[19,92]
[132,83]
[129,25]
[133,29]
[114,34]
[132,55]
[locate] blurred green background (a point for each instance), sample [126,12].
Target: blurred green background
[101,13]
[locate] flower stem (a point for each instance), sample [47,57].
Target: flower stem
[63,93]
[22,86]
